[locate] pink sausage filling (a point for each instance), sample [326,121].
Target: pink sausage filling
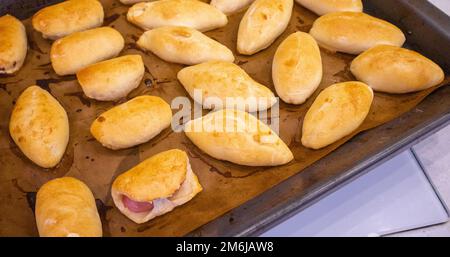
[135,206]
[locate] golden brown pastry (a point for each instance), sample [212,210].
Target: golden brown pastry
[263,22]
[396,70]
[353,32]
[155,186]
[336,113]
[70,16]
[40,127]
[184,45]
[65,207]
[238,137]
[13,44]
[132,1]
[112,79]
[322,7]
[187,13]
[219,84]
[81,49]
[230,6]
[297,68]
[132,123]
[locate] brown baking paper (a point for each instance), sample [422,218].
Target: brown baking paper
[226,185]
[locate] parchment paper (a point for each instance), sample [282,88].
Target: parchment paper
[226,185]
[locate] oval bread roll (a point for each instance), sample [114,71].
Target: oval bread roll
[13,44]
[238,137]
[264,21]
[132,1]
[230,6]
[396,70]
[40,127]
[322,7]
[81,49]
[187,13]
[353,33]
[70,16]
[132,123]
[218,82]
[297,68]
[184,45]
[112,79]
[65,207]
[155,186]
[337,112]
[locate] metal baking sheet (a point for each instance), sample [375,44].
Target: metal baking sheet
[237,200]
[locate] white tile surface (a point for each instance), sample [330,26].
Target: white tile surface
[444,5]
[394,197]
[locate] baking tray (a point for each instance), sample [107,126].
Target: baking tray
[279,192]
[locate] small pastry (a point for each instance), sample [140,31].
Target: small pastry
[40,127]
[13,44]
[155,186]
[238,137]
[60,20]
[65,207]
[297,68]
[322,7]
[353,32]
[231,6]
[264,21]
[184,45]
[186,13]
[336,113]
[132,123]
[81,49]
[396,70]
[219,84]
[112,79]
[128,2]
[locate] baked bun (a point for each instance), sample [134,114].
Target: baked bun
[238,137]
[81,49]
[219,81]
[132,123]
[155,186]
[396,70]
[112,79]
[353,32]
[70,16]
[322,7]
[231,6]
[336,113]
[297,68]
[184,45]
[40,127]
[264,21]
[187,13]
[65,207]
[13,44]
[127,2]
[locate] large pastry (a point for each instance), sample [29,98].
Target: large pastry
[336,113]
[230,6]
[184,45]
[187,13]
[354,32]
[65,207]
[40,127]
[13,44]
[263,22]
[81,49]
[70,16]
[322,7]
[297,68]
[396,70]
[112,79]
[238,137]
[155,186]
[132,123]
[219,84]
